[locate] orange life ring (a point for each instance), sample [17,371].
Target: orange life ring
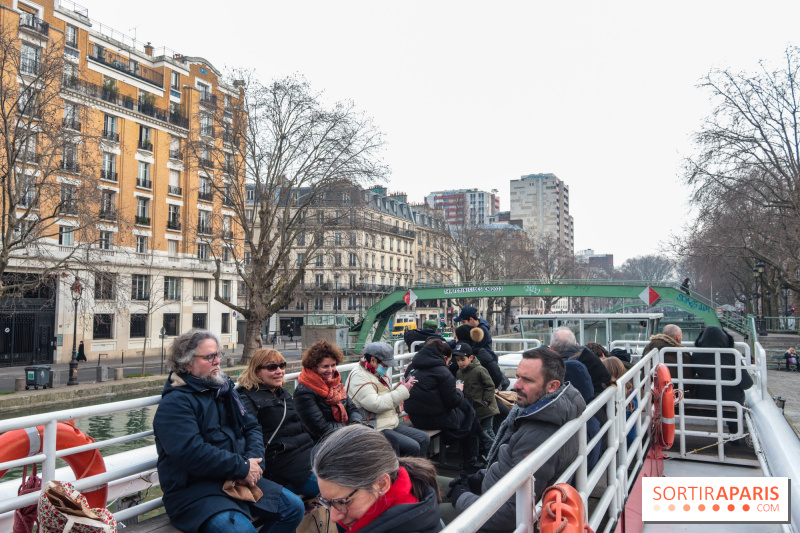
[563,511]
[26,442]
[665,399]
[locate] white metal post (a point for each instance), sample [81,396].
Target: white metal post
[49,449]
[525,502]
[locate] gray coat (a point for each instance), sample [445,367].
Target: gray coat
[533,426]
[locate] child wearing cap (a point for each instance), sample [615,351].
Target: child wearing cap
[478,386]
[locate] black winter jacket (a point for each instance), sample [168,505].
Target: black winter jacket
[317,416]
[716,337]
[288,456]
[421,517]
[413,335]
[434,398]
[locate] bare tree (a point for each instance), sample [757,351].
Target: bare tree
[647,268]
[551,261]
[509,259]
[294,168]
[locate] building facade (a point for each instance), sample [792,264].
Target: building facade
[146,262]
[541,203]
[465,206]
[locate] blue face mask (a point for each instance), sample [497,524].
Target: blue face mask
[381,370]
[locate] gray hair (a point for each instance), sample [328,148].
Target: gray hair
[183,349]
[671,330]
[562,338]
[340,458]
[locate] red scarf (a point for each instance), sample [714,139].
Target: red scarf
[398,494]
[372,370]
[331,391]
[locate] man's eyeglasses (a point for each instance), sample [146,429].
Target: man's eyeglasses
[340,504]
[212,356]
[272,367]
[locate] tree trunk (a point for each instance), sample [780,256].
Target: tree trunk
[507,315]
[252,338]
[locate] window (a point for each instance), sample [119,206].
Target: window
[174,217]
[226,254]
[143,211]
[143,179]
[383,262]
[175,80]
[174,182]
[172,287]
[353,260]
[72,36]
[351,303]
[301,239]
[103,326]
[337,238]
[109,171]
[172,248]
[250,195]
[171,324]
[225,324]
[318,261]
[66,235]
[199,320]
[138,326]
[200,292]
[227,101]
[337,303]
[391,243]
[205,186]
[70,158]
[29,59]
[205,125]
[71,116]
[204,222]
[145,138]
[104,284]
[318,304]
[300,258]
[225,289]
[352,281]
[202,251]
[69,203]
[141,244]
[140,287]
[337,259]
[106,241]
[318,280]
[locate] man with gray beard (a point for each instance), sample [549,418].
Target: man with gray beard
[210,449]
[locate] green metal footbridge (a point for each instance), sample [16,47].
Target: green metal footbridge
[378,316]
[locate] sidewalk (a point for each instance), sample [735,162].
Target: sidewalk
[87,371]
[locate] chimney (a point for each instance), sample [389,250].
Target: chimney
[148,49]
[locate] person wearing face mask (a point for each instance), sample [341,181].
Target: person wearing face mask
[287,445]
[370,389]
[320,399]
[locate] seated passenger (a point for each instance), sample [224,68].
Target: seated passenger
[617,370]
[575,374]
[320,399]
[206,439]
[544,404]
[478,388]
[373,395]
[288,446]
[428,331]
[486,357]
[437,402]
[368,489]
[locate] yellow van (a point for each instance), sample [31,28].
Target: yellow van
[399,329]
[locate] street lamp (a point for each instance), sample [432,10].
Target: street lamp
[163,336]
[77,290]
[761,327]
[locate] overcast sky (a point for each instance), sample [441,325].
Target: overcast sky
[469,94]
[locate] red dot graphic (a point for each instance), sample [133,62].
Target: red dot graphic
[731,507]
[716,507]
[701,507]
[746,507]
[687,507]
[671,507]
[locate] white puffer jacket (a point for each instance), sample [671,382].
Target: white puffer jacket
[367,392]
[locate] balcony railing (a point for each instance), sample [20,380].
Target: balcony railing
[26,200]
[205,163]
[206,196]
[28,157]
[228,169]
[144,144]
[32,22]
[108,175]
[144,183]
[208,99]
[200,297]
[69,208]
[227,234]
[111,135]
[70,165]
[203,229]
[229,138]
[112,96]
[123,64]
[30,66]
[208,131]
[174,189]
[176,154]
[227,201]
[173,225]
[71,123]
[142,221]
[108,214]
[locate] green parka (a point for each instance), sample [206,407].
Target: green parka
[479,387]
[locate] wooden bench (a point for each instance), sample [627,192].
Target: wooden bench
[159,524]
[437,445]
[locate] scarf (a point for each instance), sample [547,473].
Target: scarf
[508,427]
[372,370]
[227,396]
[331,391]
[398,494]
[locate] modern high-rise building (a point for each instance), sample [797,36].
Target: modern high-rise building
[541,203]
[127,128]
[465,206]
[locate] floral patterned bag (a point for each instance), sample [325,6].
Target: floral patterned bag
[62,509]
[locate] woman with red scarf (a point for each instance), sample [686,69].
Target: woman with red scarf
[367,488]
[320,399]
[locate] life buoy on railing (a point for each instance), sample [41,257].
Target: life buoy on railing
[563,511]
[26,442]
[665,396]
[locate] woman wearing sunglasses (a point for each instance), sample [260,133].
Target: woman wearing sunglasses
[288,446]
[321,400]
[368,489]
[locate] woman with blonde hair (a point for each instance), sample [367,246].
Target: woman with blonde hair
[617,370]
[288,446]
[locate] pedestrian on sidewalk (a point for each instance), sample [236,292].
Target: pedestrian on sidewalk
[792,359]
[291,334]
[81,353]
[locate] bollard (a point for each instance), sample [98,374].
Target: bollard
[102,374]
[55,379]
[119,373]
[229,361]
[19,384]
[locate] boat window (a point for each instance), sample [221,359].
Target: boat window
[626,329]
[595,330]
[536,328]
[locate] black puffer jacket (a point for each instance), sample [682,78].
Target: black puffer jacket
[716,337]
[413,335]
[421,517]
[434,398]
[317,416]
[288,456]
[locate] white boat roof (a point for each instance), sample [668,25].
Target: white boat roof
[632,316]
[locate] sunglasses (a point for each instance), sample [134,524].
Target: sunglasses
[272,367]
[339,504]
[212,356]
